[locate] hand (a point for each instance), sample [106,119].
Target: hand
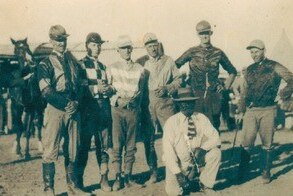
[107,90]
[28,76]
[71,108]
[161,91]
[239,118]
[220,88]
[99,89]
[200,154]
[182,180]
[287,105]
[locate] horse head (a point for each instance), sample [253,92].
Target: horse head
[21,48]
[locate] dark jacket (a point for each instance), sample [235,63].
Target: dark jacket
[205,62]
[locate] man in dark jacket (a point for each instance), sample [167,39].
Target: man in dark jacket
[96,111]
[59,82]
[204,62]
[260,87]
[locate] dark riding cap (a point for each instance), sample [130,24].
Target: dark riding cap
[94,37]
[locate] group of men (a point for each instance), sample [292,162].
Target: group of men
[86,98]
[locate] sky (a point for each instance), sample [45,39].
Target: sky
[235,22]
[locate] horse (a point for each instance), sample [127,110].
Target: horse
[25,97]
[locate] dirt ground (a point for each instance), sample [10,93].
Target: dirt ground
[24,177]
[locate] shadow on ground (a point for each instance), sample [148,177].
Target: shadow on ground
[282,161]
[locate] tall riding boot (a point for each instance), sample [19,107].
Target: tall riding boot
[153,176]
[129,182]
[79,178]
[244,164]
[267,162]
[71,179]
[118,182]
[48,178]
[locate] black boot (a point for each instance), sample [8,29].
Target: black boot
[153,177]
[118,182]
[48,178]
[71,179]
[105,183]
[129,182]
[152,162]
[244,164]
[79,178]
[267,162]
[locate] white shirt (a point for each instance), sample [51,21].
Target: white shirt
[175,148]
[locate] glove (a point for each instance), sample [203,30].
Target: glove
[287,105]
[28,76]
[200,154]
[220,88]
[239,118]
[99,89]
[182,180]
[71,108]
[171,90]
[108,90]
[161,91]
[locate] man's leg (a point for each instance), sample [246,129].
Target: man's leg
[211,168]
[102,156]
[101,139]
[72,130]
[85,144]
[266,131]
[104,123]
[164,110]
[148,123]
[216,121]
[118,138]
[249,136]
[132,119]
[51,139]
[213,108]
[39,125]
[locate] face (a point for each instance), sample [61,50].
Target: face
[153,49]
[59,46]
[20,47]
[125,52]
[187,107]
[94,49]
[257,54]
[205,37]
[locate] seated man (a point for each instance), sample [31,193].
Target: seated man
[190,145]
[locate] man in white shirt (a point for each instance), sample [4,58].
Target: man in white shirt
[190,143]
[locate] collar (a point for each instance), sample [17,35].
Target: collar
[185,118]
[261,62]
[129,62]
[207,47]
[58,53]
[92,58]
[155,59]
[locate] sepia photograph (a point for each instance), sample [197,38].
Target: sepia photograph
[146,97]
